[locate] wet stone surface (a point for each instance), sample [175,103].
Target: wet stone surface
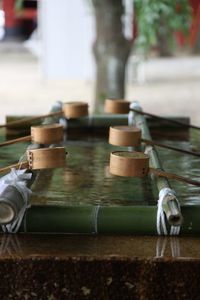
[98,267]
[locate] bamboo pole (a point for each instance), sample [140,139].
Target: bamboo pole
[96,121]
[134,220]
[164,119]
[171,210]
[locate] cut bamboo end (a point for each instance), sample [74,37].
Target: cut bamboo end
[116,106]
[174,219]
[74,110]
[127,136]
[7,212]
[46,158]
[47,134]
[125,163]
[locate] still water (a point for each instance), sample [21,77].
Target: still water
[86,179]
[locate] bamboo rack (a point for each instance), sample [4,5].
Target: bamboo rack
[89,121]
[82,219]
[171,209]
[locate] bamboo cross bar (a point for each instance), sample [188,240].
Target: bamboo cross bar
[131,137]
[136,164]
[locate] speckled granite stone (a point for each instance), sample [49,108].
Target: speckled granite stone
[103,267]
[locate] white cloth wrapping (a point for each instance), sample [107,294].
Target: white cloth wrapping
[160,222]
[16,178]
[131,115]
[62,120]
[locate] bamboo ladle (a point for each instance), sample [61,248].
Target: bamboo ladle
[44,158]
[121,106]
[69,110]
[42,134]
[132,137]
[136,164]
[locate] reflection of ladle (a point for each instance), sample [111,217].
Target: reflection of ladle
[136,164]
[132,136]
[162,244]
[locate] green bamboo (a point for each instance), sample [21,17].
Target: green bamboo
[135,220]
[95,219]
[171,208]
[103,120]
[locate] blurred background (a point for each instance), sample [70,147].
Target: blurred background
[89,50]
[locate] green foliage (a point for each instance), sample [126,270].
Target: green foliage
[156,18]
[18,5]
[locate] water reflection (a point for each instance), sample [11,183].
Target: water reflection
[86,179]
[10,245]
[161,246]
[145,247]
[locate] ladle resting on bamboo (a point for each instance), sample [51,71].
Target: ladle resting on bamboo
[136,164]
[44,158]
[130,136]
[121,106]
[42,134]
[165,119]
[69,110]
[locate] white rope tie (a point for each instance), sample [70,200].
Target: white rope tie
[62,120]
[164,196]
[131,115]
[17,178]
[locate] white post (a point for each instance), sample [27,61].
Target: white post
[67,33]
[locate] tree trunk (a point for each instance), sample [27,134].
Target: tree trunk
[111,50]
